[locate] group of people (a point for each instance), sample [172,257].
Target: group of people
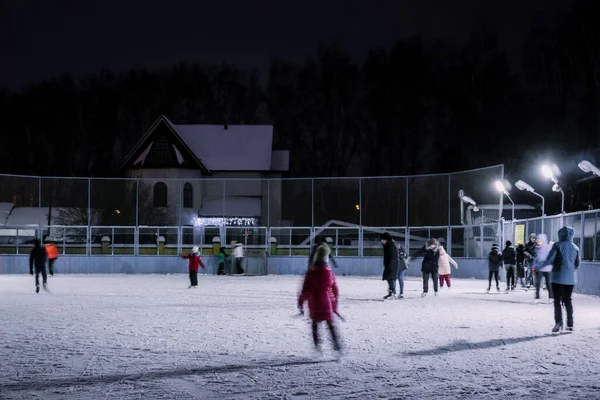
[195,261]
[436,265]
[37,262]
[555,263]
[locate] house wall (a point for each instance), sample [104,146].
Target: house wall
[211,189]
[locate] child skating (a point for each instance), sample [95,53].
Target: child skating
[444,265]
[321,291]
[194,262]
[430,266]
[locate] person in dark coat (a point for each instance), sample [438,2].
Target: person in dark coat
[37,261]
[564,258]
[402,267]
[430,265]
[509,258]
[494,264]
[390,263]
[311,258]
[320,290]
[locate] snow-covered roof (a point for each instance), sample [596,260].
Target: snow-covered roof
[25,216]
[235,148]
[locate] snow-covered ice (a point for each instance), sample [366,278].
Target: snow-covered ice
[150,337]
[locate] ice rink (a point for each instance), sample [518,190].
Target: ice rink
[150,337]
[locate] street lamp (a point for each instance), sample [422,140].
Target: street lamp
[548,173]
[465,200]
[524,186]
[502,189]
[587,166]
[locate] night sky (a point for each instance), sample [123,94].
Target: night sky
[42,39]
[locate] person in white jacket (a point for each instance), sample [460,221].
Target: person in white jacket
[444,265]
[238,254]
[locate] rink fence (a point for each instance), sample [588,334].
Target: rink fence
[418,200]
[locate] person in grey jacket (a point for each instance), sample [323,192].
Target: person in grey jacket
[564,258]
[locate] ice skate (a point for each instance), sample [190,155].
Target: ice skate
[498,288]
[423,294]
[569,329]
[390,294]
[557,328]
[488,289]
[435,294]
[45,287]
[37,288]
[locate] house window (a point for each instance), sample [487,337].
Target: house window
[160,195]
[188,196]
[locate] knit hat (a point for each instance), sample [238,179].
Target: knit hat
[322,255]
[508,243]
[195,249]
[532,236]
[385,236]
[495,247]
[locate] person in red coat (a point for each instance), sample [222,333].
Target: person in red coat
[194,261]
[321,291]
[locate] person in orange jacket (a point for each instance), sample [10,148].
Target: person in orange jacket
[52,253]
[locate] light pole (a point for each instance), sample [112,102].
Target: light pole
[466,200]
[521,185]
[548,173]
[502,189]
[587,166]
[524,186]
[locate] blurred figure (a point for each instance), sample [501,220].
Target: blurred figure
[494,264]
[564,258]
[238,255]
[321,291]
[509,258]
[194,262]
[318,242]
[390,263]
[37,261]
[521,264]
[222,256]
[541,269]
[52,253]
[530,248]
[444,262]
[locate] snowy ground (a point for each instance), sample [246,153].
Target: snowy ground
[134,337]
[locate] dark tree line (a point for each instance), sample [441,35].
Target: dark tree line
[417,107]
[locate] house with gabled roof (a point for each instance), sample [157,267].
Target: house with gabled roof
[211,173]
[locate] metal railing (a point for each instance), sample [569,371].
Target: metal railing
[469,241]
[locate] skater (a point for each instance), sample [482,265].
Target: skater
[52,253]
[222,256]
[311,258]
[37,261]
[530,248]
[402,267]
[238,254]
[390,264]
[509,258]
[444,262]
[494,264]
[430,265]
[521,264]
[564,258]
[541,269]
[321,291]
[194,261]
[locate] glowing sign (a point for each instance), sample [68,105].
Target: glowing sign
[214,221]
